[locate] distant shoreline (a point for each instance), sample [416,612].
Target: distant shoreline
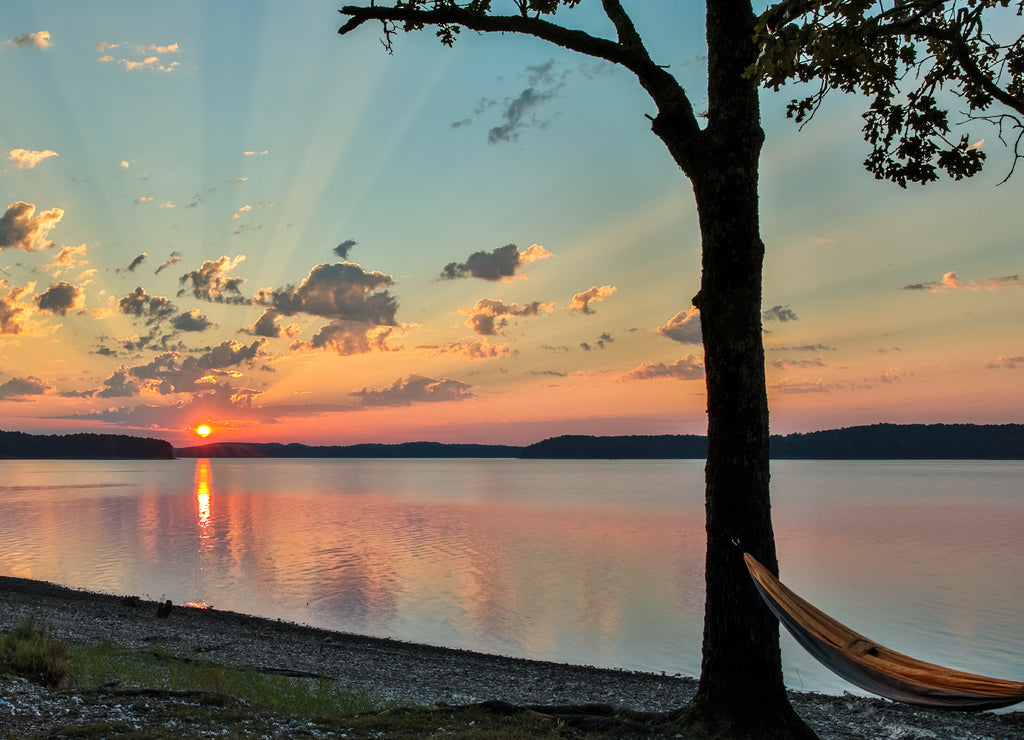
[870,442]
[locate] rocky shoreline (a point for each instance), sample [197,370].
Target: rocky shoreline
[391,671]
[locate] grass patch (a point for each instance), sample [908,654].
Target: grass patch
[27,651]
[104,664]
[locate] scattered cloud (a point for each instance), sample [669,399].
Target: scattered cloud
[244,209]
[65,260]
[60,298]
[478,350]
[490,317]
[153,309]
[266,326]
[140,56]
[174,259]
[255,153]
[787,364]
[21,228]
[500,264]
[16,389]
[136,262]
[581,301]
[339,291]
[805,348]
[344,248]
[193,320]
[683,327]
[686,368]
[415,389]
[786,386]
[348,338]
[14,311]
[27,159]
[211,281]
[39,39]
[950,281]
[778,313]
[1010,362]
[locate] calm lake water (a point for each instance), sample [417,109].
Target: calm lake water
[591,562]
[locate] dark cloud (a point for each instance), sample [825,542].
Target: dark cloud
[787,364]
[687,368]
[500,263]
[137,261]
[211,282]
[489,317]
[348,338]
[60,298]
[806,348]
[152,308]
[172,260]
[120,385]
[518,114]
[344,248]
[22,229]
[683,327]
[16,389]
[191,321]
[1009,362]
[228,354]
[342,291]
[266,326]
[478,350]
[415,389]
[778,313]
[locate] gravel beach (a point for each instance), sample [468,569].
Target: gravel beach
[389,671]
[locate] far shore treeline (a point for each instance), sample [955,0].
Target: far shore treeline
[874,442]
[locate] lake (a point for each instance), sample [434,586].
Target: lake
[591,562]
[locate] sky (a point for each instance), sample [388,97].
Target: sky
[227,214]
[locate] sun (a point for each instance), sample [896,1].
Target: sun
[203,430]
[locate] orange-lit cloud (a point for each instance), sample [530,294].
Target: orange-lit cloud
[950,281]
[348,338]
[490,317]
[40,39]
[683,327]
[787,386]
[65,260]
[14,311]
[479,350]
[21,228]
[60,298]
[266,326]
[16,389]
[787,364]
[339,291]
[581,301]
[415,389]
[1011,362]
[211,281]
[685,368]
[27,159]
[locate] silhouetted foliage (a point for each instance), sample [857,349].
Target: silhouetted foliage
[82,446]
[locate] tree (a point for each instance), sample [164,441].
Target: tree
[741,691]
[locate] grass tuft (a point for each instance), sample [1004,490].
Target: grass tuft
[27,651]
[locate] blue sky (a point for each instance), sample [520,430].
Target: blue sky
[260,161]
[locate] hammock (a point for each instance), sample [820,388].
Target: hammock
[876,668]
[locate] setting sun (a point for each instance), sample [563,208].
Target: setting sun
[203,430]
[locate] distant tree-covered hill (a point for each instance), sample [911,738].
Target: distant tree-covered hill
[82,446]
[905,442]
[636,447]
[406,449]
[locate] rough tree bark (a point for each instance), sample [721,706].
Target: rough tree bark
[741,692]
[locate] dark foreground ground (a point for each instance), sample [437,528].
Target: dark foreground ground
[391,673]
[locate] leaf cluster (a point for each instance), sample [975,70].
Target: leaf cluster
[909,57]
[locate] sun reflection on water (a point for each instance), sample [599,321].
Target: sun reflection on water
[203,480]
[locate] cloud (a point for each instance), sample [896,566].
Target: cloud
[211,281]
[266,326]
[191,321]
[785,386]
[153,308]
[1010,362]
[16,389]
[415,389]
[13,311]
[806,348]
[787,364]
[120,385]
[27,159]
[478,350]
[778,313]
[499,264]
[950,281]
[21,228]
[244,209]
[517,114]
[581,301]
[65,260]
[40,39]
[686,368]
[174,259]
[348,338]
[683,327]
[344,248]
[136,262]
[144,56]
[228,354]
[339,291]
[144,199]
[255,153]
[489,317]
[60,298]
